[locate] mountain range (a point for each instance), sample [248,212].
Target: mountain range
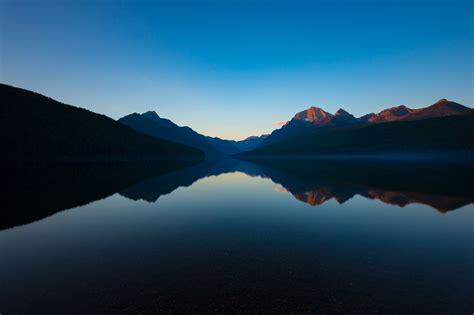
[36,126]
[151,124]
[453,134]
[315,131]
[316,119]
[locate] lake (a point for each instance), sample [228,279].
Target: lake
[234,236]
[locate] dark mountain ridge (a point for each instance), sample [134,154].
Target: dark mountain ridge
[35,126]
[152,124]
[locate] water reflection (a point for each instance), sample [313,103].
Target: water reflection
[442,187]
[233,237]
[319,195]
[36,190]
[41,190]
[314,184]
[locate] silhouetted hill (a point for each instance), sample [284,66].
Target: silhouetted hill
[435,134]
[152,124]
[35,126]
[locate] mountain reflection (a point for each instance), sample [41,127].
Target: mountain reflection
[35,192]
[319,195]
[317,182]
[150,190]
[442,187]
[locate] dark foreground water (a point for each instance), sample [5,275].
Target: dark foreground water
[238,237]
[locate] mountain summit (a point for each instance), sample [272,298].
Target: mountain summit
[318,117]
[389,114]
[343,118]
[341,112]
[151,114]
[443,107]
[311,118]
[315,115]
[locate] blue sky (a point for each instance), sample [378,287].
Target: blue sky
[232,68]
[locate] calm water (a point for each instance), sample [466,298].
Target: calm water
[237,237]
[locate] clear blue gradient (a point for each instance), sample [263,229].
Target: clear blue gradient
[231,68]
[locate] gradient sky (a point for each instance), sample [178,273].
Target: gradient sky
[232,68]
